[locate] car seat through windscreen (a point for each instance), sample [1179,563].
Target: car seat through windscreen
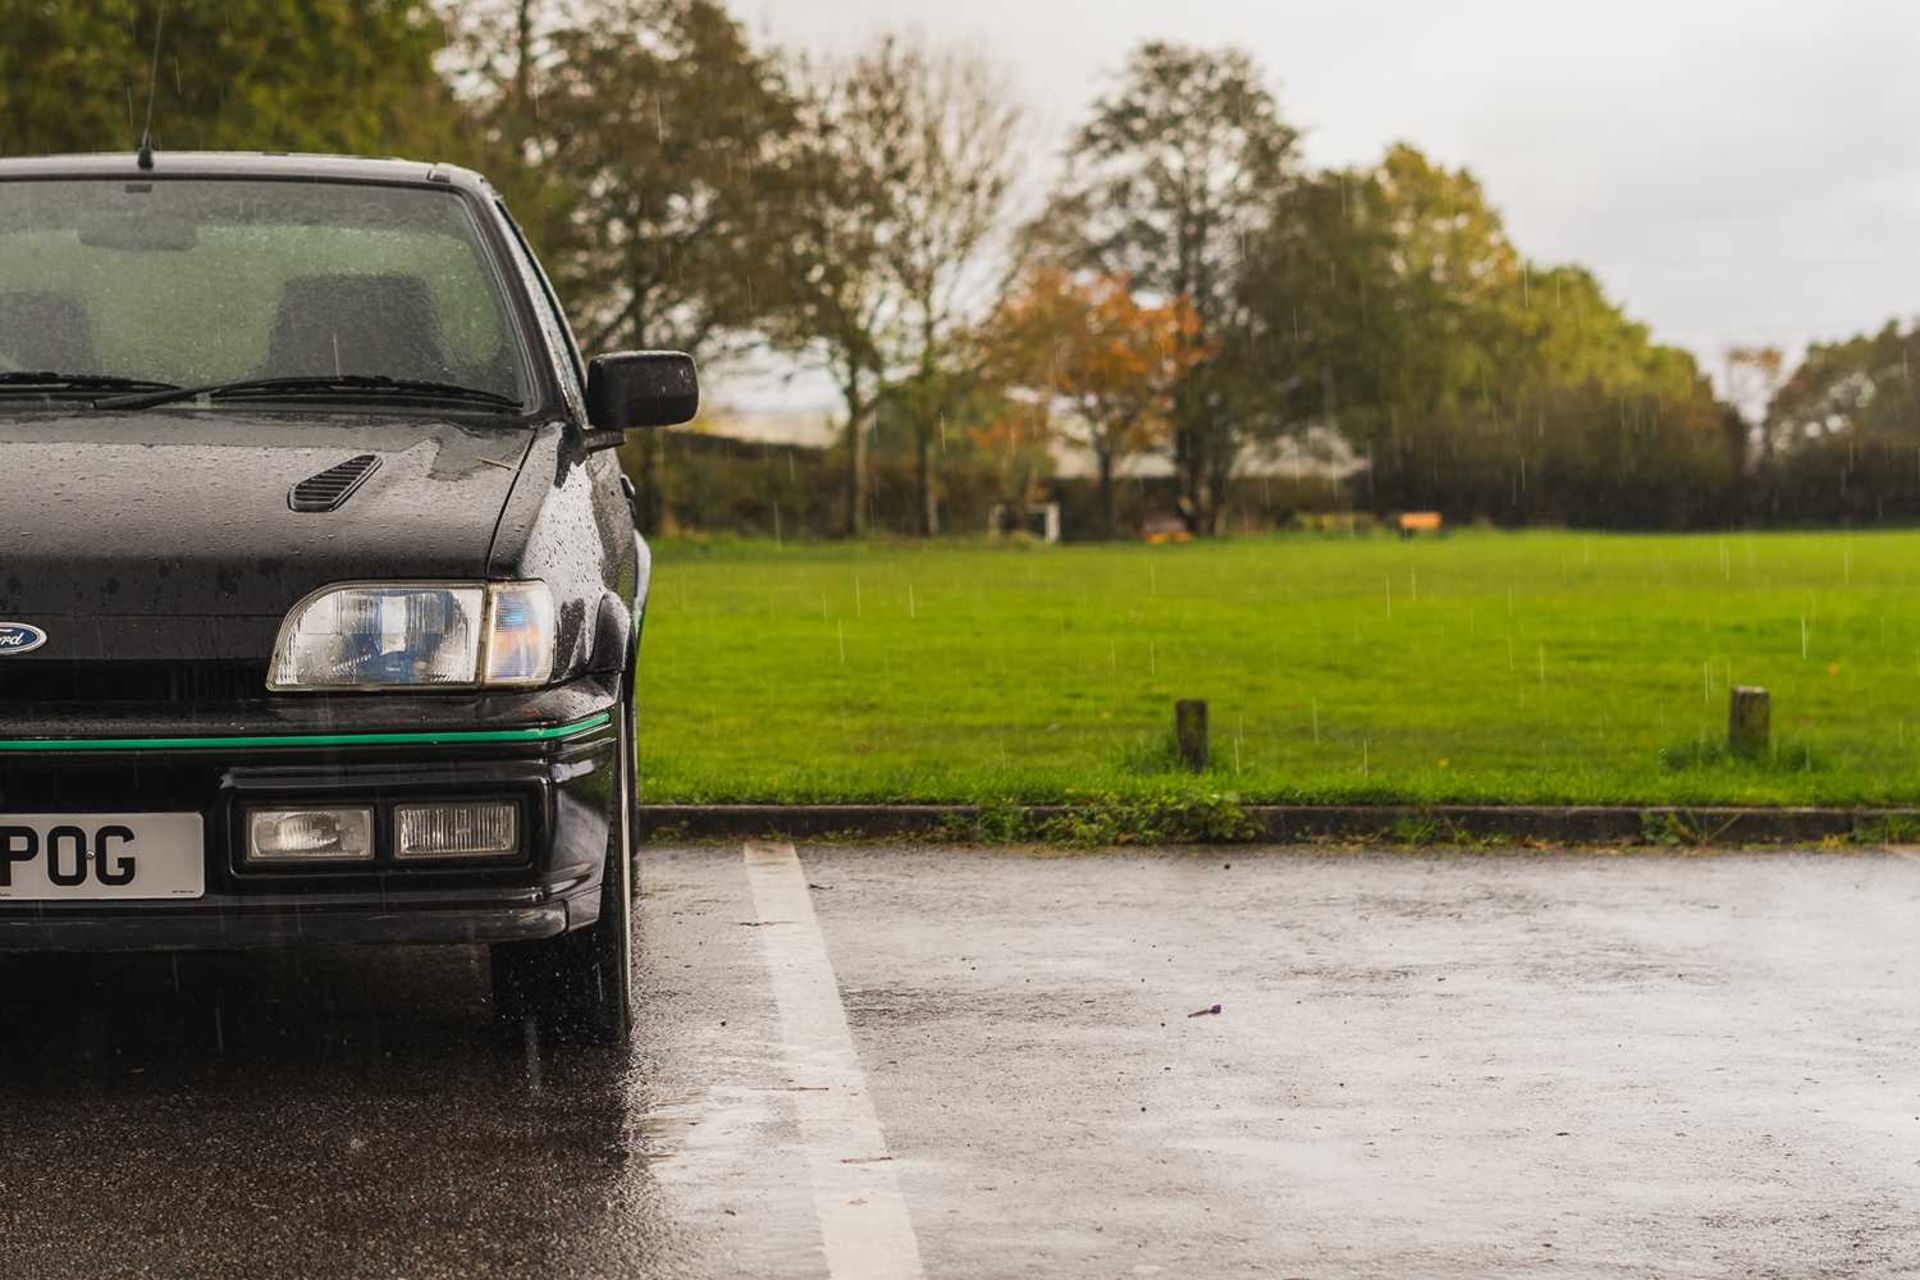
[384,325]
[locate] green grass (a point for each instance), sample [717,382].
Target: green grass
[1537,667]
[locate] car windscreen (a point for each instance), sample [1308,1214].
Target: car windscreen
[199,281]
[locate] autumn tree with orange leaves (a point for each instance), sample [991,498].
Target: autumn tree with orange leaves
[1101,364]
[1012,430]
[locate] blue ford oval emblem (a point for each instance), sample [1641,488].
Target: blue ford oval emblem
[19,637]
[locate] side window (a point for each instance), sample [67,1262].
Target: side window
[553,321]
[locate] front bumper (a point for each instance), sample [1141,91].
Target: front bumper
[562,774]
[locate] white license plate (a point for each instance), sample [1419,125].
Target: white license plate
[47,857]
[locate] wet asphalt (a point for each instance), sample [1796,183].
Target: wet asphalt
[1422,1065]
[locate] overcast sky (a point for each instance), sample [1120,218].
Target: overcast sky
[1735,170]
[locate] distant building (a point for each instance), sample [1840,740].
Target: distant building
[1320,453]
[808,428]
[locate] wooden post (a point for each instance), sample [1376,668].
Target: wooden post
[1749,721]
[1190,732]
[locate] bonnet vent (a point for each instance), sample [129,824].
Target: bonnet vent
[330,489]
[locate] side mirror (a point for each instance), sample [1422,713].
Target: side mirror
[628,389]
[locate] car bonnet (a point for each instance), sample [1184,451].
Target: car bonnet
[177,535]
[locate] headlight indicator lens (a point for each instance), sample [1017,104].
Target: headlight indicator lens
[416,635]
[519,634]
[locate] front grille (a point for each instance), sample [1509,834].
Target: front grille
[38,685]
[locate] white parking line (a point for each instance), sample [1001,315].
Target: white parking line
[863,1216]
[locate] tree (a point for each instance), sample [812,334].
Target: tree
[644,142]
[838,297]
[1394,293]
[1168,180]
[1753,374]
[278,75]
[897,206]
[955,159]
[1379,304]
[1013,431]
[661,129]
[1859,389]
[1390,303]
[1112,362]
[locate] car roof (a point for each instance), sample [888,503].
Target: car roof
[243,164]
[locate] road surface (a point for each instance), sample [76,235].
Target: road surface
[870,1062]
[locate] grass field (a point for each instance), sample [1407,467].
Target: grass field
[1481,667]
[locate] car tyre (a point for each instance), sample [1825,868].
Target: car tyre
[580,984]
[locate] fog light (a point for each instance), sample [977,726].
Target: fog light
[481,829]
[309,835]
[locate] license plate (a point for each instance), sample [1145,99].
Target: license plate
[47,857]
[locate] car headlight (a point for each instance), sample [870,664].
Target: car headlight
[446,635]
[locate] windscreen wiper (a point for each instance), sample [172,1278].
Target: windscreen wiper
[49,380]
[353,384]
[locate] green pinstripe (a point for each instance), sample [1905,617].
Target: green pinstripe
[424,738]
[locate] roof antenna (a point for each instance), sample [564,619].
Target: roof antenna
[145,156]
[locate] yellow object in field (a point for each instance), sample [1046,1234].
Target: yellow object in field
[1412,522]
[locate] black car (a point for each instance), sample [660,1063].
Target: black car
[320,595]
